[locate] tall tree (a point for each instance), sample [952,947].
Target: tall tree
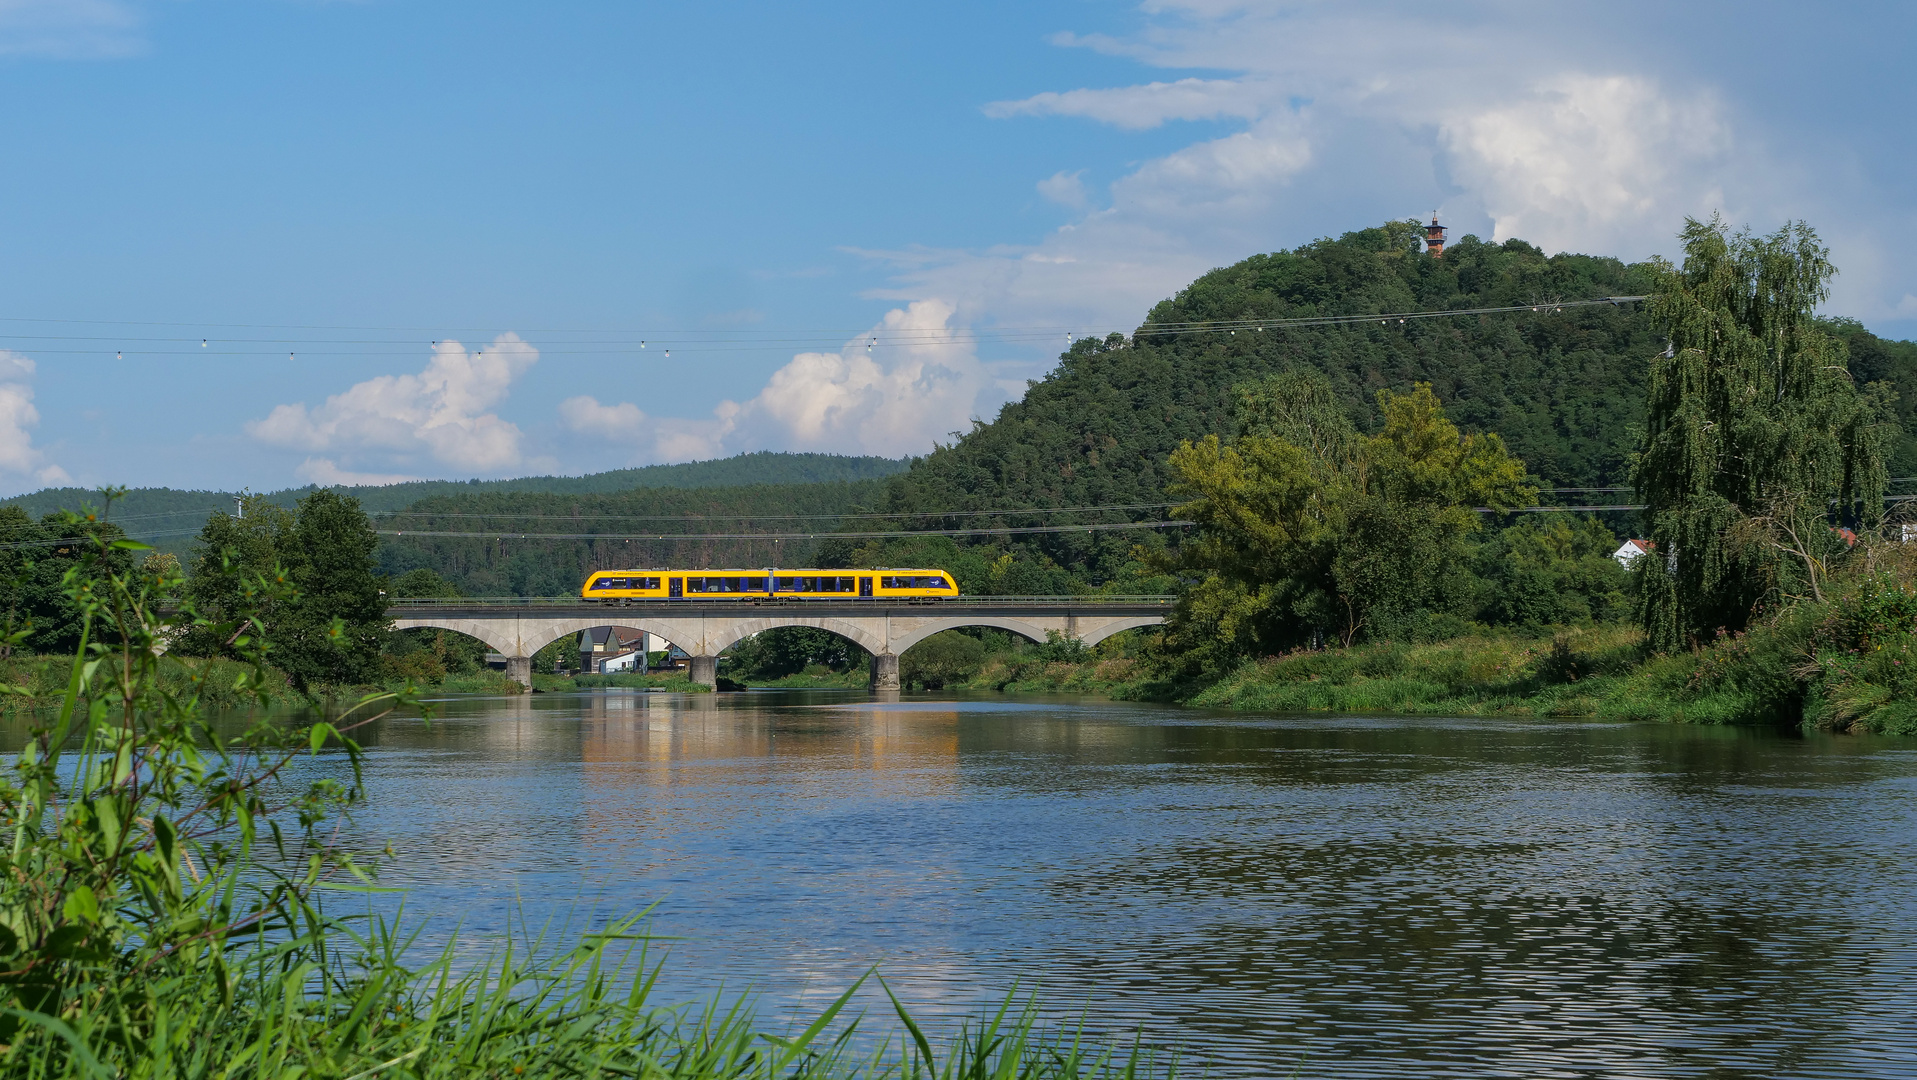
[35,558]
[334,632]
[1757,440]
[232,557]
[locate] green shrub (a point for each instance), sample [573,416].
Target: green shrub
[945,659]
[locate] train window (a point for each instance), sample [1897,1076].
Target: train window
[607,583]
[913,581]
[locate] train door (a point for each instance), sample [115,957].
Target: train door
[675,587]
[865,586]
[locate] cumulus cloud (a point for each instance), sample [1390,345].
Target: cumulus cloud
[1147,106]
[1065,188]
[440,414]
[1577,161]
[18,456]
[326,473]
[69,29]
[910,380]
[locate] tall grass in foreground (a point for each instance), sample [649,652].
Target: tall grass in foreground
[161,915]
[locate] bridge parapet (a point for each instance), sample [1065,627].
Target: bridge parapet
[520,626]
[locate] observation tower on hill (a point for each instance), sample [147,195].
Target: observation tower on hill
[1434,237]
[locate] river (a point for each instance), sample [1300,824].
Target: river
[1343,896]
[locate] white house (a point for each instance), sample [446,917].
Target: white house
[627,661]
[1628,552]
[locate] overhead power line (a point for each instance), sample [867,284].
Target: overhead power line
[778,517]
[498,534]
[1223,325]
[631,342]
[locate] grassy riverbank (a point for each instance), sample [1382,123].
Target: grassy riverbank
[676,682]
[1846,664]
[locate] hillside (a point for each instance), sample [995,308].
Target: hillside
[1565,389]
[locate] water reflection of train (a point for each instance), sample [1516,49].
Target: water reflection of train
[770,583]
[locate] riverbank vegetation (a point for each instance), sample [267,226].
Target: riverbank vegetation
[167,895]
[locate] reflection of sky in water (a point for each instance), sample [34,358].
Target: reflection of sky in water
[1383,897]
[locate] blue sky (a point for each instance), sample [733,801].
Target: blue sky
[425,239]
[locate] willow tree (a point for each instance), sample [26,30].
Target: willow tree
[1757,443]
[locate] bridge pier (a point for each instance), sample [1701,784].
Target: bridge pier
[885,671]
[704,670]
[519,669]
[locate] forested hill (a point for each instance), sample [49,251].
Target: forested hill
[1565,388]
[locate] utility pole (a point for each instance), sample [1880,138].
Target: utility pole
[239,506]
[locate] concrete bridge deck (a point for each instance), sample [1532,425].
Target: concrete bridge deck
[518,627]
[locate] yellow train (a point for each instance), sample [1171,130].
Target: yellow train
[769,583]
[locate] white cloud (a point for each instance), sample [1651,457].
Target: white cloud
[1067,189]
[1147,106]
[911,380]
[1583,161]
[69,29]
[18,456]
[325,473]
[439,414]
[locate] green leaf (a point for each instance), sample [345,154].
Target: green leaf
[81,905]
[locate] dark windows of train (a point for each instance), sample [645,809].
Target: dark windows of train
[914,582]
[625,583]
[810,584]
[865,586]
[725,585]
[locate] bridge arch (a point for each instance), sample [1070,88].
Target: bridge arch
[741,629]
[518,638]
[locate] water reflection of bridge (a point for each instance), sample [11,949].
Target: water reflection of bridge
[518,627]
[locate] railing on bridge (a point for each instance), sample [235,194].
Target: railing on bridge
[968,601]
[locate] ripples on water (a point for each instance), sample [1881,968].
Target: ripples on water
[1372,897]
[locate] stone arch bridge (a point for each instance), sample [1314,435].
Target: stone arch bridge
[518,627]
